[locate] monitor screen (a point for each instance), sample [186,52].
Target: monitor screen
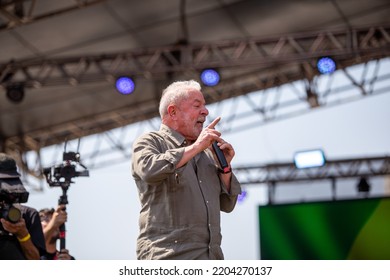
[331,230]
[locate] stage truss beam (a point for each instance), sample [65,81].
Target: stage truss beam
[346,46]
[333,169]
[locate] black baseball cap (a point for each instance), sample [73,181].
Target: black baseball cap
[10,184]
[8,167]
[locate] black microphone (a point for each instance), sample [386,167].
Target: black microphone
[221,158]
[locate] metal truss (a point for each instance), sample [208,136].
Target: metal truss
[333,169]
[273,174]
[346,46]
[21,12]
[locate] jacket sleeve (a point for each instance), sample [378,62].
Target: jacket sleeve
[228,200]
[152,162]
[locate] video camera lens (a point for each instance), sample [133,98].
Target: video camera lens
[11,214]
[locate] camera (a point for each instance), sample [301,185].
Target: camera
[12,192]
[62,175]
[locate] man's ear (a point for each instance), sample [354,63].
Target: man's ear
[171,111]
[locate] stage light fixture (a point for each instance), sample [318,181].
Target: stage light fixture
[210,77]
[309,158]
[125,85]
[15,93]
[326,65]
[241,197]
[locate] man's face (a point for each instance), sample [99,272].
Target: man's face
[191,114]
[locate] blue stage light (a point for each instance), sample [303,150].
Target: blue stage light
[210,77]
[326,65]
[125,85]
[241,197]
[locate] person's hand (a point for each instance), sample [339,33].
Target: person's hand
[19,228]
[208,135]
[227,150]
[59,216]
[63,255]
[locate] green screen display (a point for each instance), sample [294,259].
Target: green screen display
[332,230]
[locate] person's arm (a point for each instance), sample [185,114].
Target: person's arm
[151,162]
[19,229]
[189,152]
[59,217]
[228,199]
[226,179]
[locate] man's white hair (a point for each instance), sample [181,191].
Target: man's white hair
[176,92]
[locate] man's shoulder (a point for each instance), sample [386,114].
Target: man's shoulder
[166,137]
[28,209]
[151,135]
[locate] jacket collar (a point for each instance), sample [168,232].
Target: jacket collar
[173,134]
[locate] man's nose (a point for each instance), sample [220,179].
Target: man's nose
[204,111]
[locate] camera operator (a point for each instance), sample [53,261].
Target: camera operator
[21,235]
[51,221]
